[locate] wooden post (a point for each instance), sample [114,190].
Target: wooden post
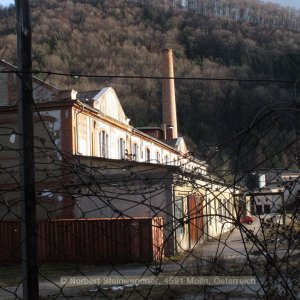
[27,178]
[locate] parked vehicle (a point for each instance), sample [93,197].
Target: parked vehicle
[247,220]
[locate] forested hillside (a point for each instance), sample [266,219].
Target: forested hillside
[253,11]
[126,38]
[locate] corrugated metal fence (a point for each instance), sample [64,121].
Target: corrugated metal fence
[88,240]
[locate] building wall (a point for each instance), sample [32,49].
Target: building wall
[52,140]
[220,210]
[267,203]
[157,193]
[277,180]
[121,189]
[89,127]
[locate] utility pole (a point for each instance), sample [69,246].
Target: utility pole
[27,178]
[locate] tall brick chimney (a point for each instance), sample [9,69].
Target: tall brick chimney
[168,96]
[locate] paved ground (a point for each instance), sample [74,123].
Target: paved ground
[231,243]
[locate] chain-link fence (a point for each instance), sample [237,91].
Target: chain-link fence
[109,228]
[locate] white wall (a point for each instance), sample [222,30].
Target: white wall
[218,201]
[87,126]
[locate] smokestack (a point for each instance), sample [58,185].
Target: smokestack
[168,96]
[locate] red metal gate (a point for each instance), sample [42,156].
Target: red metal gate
[88,240]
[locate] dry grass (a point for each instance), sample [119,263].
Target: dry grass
[11,275]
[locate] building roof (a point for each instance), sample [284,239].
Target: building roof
[7,66]
[171,142]
[87,95]
[149,128]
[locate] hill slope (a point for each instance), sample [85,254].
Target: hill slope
[117,37]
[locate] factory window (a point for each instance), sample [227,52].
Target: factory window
[166,159]
[103,144]
[121,146]
[158,157]
[147,155]
[135,152]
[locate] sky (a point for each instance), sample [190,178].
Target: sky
[292,3]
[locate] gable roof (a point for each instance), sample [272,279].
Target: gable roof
[108,103]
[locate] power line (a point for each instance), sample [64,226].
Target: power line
[78,75]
